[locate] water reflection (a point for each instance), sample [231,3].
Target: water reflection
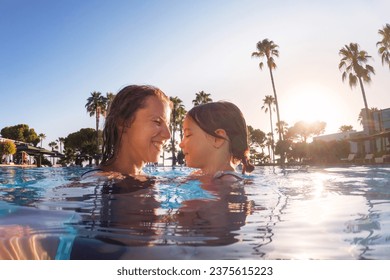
[336,213]
[148,214]
[332,213]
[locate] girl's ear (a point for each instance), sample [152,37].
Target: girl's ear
[218,142]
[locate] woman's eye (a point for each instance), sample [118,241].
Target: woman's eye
[158,122]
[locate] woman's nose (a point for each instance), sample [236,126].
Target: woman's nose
[166,133]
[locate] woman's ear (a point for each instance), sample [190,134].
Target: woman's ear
[218,142]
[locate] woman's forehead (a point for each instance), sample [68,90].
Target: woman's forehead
[154,107]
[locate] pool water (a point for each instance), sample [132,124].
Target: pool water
[297,213]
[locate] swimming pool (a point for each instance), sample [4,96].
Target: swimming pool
[315,213]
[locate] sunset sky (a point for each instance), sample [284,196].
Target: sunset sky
[55,53]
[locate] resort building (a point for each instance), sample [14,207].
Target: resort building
[27,154]
[338,137]
[373,139]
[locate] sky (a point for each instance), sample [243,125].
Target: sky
[54,54]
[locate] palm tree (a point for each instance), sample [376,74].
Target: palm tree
[354,66]
[268,49]
[177,106]
[269,142]
[41,137]
[109,98]
[53,145]
[268,101]
[282,128]
[96,105]
[362,114]
[60,140]
[384,44]
[180,115]
[202,98]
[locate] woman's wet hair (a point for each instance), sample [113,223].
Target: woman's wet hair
[121,114]
[227,116]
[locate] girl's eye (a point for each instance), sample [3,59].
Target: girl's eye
[188,135]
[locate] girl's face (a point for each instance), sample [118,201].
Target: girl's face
[143,139]
[196,144]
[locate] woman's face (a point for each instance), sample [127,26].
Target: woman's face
[196,144]
[143,139]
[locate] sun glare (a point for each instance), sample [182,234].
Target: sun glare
[312,103]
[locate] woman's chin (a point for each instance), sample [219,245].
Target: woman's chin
[153,158]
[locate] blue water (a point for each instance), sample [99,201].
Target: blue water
[314,213]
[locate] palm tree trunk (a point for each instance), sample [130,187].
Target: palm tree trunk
[365,104]
[272,134]
[368,116]
[282,157]
[97,133]
[276,103]
[173,137]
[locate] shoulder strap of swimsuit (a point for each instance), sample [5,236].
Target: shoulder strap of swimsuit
[220,174]
[92,170]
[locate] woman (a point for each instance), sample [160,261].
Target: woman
[216,140]
[136,128]
[135,131]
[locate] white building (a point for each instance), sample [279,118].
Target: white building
[361,142]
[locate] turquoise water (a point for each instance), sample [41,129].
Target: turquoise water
[314,213]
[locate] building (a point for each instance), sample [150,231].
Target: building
[26,153]
[338,137]
[363,142]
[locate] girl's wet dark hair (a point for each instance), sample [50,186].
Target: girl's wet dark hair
[227,116]
[121,114]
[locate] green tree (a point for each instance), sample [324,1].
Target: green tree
[384,44]
[303,130]
[282,128]
[322,152]
[7,148]
[96,106]
[81,144]
[299,151]
[269,50]
[355,68]
[22,133]
[256,137]
[345,128]
[202,98]
[283,148]
[268,103]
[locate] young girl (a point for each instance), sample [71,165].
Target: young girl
[216,140]
[136,128]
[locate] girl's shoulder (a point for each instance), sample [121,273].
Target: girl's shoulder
[230,176]
[91,172]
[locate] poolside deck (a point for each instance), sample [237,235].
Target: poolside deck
[18,165]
